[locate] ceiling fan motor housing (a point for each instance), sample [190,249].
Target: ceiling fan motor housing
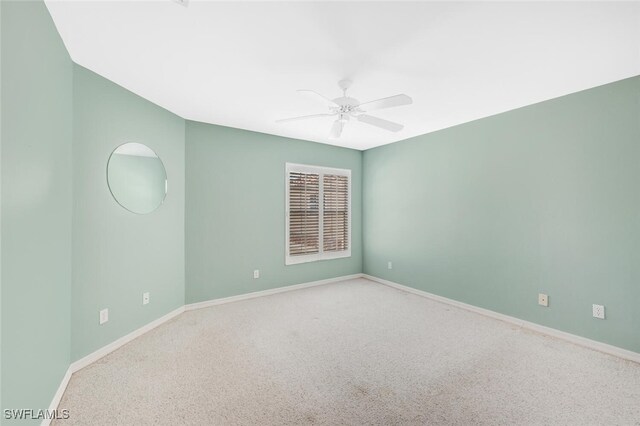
[346,104]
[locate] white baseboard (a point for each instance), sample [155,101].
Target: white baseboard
[58,395]
[578,340]
[105,350]
[214,302]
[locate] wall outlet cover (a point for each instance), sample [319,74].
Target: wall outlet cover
[389,265]
[256,273]
[104,316]
[145,298]
[543,299]
[598,311]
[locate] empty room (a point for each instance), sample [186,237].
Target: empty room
[319,212]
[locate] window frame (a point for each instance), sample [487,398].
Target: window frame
[321,255]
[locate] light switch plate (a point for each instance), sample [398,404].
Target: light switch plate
[145,298]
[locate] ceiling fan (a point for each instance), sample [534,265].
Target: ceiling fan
[345,108]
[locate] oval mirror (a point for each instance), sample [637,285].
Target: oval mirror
[137,178]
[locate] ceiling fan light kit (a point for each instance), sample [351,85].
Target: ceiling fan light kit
[345,108]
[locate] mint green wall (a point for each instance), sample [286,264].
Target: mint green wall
[36,114]
[540,199]
[118,255]
[235,211]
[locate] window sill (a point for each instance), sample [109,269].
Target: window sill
[295,260]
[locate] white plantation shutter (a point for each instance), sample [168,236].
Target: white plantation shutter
[335,232]
[318,213]
[304,213]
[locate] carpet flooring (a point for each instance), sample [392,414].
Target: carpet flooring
[350,353]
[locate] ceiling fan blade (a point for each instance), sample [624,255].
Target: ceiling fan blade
[318,96]
[379,122]
[391,101]
[304,117]
[336,129]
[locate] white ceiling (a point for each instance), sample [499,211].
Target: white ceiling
[239,64]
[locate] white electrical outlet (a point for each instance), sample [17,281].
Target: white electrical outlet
[256,273]
[145,298]
[389,265]
[598,311]
[543,299]
[104,316]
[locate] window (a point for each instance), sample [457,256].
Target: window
[318,213]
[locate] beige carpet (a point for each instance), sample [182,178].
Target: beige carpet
[350,353]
